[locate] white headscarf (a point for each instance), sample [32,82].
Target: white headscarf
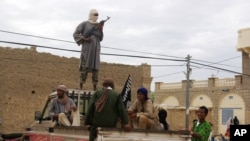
[229,122]
[92,17]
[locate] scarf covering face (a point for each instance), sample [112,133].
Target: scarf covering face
[108,85]
[65,101]
[92,17]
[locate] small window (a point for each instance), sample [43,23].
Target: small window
[201,98]
[226,114]
[231,97]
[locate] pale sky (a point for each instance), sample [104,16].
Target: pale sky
[207,30]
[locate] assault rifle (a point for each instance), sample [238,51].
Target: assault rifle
[90,32]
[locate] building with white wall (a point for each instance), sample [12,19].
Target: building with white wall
[227,97]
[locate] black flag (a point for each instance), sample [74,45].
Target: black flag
[126,93]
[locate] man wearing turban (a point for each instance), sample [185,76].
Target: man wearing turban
[142,111]
[62,107]
[90,52]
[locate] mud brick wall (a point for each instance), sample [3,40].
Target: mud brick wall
[27,77]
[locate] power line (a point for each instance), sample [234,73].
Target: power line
[210,68]
[119,55]
[167,65]
[32,60]
[48,61]
[111,48]
[210,63]
[219,68]
[198,67]
[41,37]
[26,44]
[168,74]
[10,32]
[141,57]
[135,56]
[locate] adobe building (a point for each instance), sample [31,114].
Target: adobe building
[27,77]
[226,97]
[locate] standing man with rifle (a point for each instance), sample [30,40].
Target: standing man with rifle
[89,34]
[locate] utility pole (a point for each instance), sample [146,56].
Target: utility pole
[187,91]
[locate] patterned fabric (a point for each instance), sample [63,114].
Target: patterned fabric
[203,129]
[100,103]
[108,117]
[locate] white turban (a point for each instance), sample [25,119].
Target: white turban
[92,17]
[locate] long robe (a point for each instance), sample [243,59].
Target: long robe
[90,51]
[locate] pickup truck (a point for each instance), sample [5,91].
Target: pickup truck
[44,129]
